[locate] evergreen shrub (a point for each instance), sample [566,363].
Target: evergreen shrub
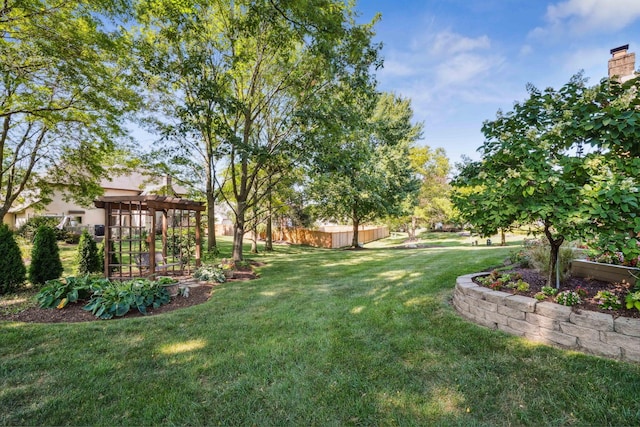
[12,270]
[87,257]
[45,257]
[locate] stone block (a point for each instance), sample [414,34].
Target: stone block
[464,287]
[511,312]
[600,348]
[520,302]
[486,323]
[542,321]
[621,340]
[460,304]
[509,330]
[580,331]
[477,292]
[554,311]
[557,337]
[496,317]
[521,325]
[476,312]
[497,297]
[592,319]
[630,355]
[627,326]
[486,306]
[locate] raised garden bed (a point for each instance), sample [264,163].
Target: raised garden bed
[605,272]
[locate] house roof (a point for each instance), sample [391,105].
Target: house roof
[142,183]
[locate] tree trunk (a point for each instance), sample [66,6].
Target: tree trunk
[356,224]
[503,238]
[268,240]
[238,232]
[553,255]
[212,245]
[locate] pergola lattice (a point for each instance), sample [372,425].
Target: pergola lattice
[150,235]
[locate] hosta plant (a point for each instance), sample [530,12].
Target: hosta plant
[117,298]
[60,292]
[209,274]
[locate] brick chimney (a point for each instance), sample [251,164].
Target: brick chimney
[622,64]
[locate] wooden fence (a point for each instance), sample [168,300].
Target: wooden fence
[332,237]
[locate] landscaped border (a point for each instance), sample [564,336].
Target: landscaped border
[590,332]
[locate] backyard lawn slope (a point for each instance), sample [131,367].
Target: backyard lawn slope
[321,338]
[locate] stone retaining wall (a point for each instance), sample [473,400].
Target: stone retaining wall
[547,322]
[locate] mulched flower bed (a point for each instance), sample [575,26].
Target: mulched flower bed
[536,281]
[74,312]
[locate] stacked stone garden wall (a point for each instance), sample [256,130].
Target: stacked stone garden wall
[591,332]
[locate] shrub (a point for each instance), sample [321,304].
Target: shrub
[87,256]
[12,269]
[539,258]
[117,298]
[113,261]
[182,244]
[208,274]
[58,293]
[45,257]
[28,229]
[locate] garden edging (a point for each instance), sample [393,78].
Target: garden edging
[590,332]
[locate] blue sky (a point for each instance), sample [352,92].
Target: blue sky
[459,61]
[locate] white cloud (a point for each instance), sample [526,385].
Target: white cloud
[451,43]
[583,17]
[465,67]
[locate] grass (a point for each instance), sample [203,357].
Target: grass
[322,338]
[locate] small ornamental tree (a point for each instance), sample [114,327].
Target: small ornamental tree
[12,270]
[88,260]
[45,257]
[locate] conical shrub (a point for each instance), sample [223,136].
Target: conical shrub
[87,257]
[12,270]
[45,257]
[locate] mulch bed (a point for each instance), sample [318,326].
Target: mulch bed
[74,312]
[591,286]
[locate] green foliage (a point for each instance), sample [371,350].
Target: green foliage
[45,257]
[182,244]
[607,300]
[538,256]
[534,170]
[113,261]
[210,274]
[12,269]
[117,298]
[521,258]
[368,174]
[569,298]
[63,96]
[58,293]
[549,291]
[88,257]
[29,228]
[632,300]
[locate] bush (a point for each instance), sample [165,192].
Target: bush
[45,257]
[87,257]
[182,244]
[538,256]
[113,261]
[28,229]
[12,270]
[117,298]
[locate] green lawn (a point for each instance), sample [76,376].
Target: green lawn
[322,338]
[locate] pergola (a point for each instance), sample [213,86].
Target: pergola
[150,235]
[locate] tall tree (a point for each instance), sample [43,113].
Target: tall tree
[534,170]
[269,61]
[431,204]
[63,96]
[369,174]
